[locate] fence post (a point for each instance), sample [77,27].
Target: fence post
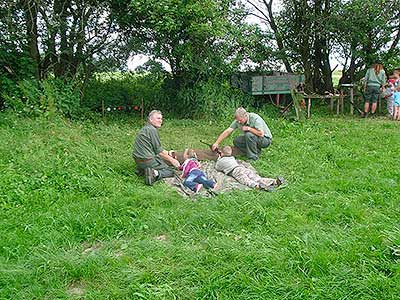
[103,111]
[352,100]
[297,100]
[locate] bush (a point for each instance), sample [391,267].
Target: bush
[205,100]
[50,96]
[123,89]
[15,66]
[210,99]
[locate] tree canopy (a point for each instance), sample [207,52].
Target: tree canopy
[201,40]
[309,34]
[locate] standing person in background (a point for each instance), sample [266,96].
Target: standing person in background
[396,96]
[388,95]
[256,134]
[148,154]
[375,79]
[393,83]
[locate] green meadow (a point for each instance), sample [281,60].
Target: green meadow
[77,223]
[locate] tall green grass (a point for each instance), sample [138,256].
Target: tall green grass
[76,223]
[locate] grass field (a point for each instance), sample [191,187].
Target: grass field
[76,223]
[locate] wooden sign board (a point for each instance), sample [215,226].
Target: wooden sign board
[279,84]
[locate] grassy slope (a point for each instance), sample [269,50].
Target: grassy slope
[76,223]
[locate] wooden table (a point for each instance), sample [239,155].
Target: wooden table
[350,87]
[309,97]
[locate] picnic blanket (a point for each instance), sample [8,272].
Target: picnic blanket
[226,183]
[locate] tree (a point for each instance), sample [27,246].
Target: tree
[308,29]
[367,30]
[199,39]
[14,52]
[263,10]
[302,37]
[63,37]
[308,33]
[77,34]
[30,10]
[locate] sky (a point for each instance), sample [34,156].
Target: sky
[138,60]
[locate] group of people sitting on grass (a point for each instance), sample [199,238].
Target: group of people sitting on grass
[377,85]
[155,163]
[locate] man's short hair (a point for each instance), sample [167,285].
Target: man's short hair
[241,113]
[227,150]
[154,111]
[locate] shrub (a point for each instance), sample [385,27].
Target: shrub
[16,65]
[50,96]
[158,91]
[210,99]
[123,89]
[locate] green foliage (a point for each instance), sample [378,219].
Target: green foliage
[16,65]
[129,88]
[198,39]
[157,90]
[203,41]
[365,32]
[209,100]
[392,64]
[365,28]
[335,77]
[46,97]
[76,223]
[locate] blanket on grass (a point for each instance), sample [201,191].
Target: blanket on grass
[226,183]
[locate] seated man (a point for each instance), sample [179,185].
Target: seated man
[256,134]
[228,164]
[148,154]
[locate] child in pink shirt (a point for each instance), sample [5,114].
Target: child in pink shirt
[195,179]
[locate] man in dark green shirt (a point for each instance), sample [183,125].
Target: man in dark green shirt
[256,133]
[148,154]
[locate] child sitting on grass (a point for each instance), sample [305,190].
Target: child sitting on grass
[227,163]
[195,179]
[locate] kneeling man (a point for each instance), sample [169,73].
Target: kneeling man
[256,134]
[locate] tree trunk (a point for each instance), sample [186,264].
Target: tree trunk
[31,12]
[278,36]
[322,77]
[317,66]
[65,55]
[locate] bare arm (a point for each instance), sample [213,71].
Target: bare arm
[253,130]
[227,132]
[185,154]
[164,155]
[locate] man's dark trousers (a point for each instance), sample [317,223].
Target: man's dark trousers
[251,145]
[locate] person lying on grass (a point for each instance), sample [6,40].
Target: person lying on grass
[227,164]
[195,179]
